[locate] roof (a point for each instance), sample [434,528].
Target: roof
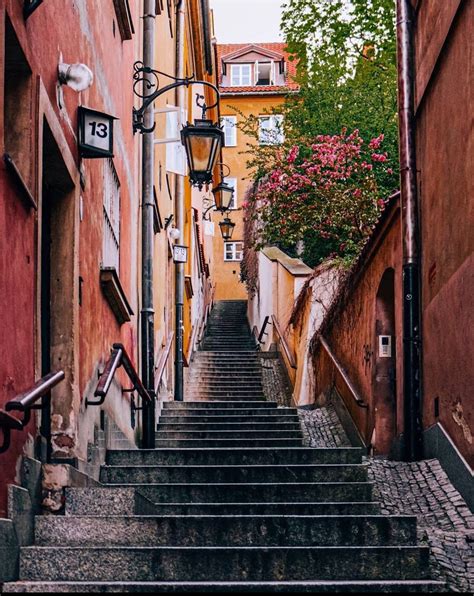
[232,50]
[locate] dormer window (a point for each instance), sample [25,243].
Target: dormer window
[241,75]
[264,73]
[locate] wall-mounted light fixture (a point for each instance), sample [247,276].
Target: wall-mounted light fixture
[227,228]
[78,77]
[202,140]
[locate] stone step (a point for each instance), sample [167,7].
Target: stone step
[204,395]
[235,443]
[233,474]
[200,386]
[196,397]
[214,348]
[234,372]
[225,380]
[221,457]
[183,405]
[228,354]
[230,530]
[229,434]
[228,391]
[118,501]
[277,492]
[219,563]
[166,426]
[216,380]
[228,419]
[309,508]
[277,587]
[107,501]
[219,413]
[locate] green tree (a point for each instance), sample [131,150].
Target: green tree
[346,52]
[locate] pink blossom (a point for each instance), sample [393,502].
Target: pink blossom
[375,143]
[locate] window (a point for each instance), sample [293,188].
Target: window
[124,19]
[241,75]
[265,73]
[271,130]
[17,110]
[232,182]
[230,130]
[111,218]
[233,251]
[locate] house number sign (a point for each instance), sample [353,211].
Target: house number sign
[96,133]
[180,253]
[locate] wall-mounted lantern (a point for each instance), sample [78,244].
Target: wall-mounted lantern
[96,133]
[203,142]
[227,228]
[223,196]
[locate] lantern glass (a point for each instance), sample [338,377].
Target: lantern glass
[227,228]
[202,142]
[223,195]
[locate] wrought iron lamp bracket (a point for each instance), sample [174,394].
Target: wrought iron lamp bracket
[148,78]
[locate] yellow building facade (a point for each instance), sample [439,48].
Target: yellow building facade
[253,80]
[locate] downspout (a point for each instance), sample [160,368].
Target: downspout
[412,338]
[147,313]
[179,212]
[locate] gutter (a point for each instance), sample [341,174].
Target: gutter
[411,284]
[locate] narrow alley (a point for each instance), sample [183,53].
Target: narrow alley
[236,282]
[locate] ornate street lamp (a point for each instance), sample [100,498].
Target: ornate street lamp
[202,142]
[227,228]
[223,196]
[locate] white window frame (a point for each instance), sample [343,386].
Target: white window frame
[111,218]
[276,133]
[229,123]
[232,182]
[236,72]
[235,255]
[271,75]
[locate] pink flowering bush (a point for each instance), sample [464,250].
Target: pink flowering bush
[326,193]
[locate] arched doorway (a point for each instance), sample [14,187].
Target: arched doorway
[384,371]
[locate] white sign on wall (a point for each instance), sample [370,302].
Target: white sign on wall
[96,133]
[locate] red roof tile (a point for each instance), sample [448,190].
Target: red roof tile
[224,50]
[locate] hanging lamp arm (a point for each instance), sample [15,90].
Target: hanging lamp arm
[149,79]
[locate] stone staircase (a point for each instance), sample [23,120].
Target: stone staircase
[230,501]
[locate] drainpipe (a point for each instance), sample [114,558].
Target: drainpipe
[412,383]
[179,212]
[147,313]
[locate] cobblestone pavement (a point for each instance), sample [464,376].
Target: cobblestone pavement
[321,428]
[276,386]
[445,523]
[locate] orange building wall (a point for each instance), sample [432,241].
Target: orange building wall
[226,274]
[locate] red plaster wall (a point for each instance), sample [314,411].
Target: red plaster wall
[445,161]
[352,337]
[58,26]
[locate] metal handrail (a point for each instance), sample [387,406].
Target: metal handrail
[188,354]
[262,330]
[24,403]
[118,358]
[286,347]
[160,367]
[342,371]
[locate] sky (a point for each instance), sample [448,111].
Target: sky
[238,21]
